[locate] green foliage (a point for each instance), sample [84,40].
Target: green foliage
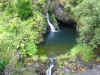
[84,51]
[18,34]
[10,8]
[24,8]
[7,49]
[91,20]
[75,2]
[86,13]
[3,62]
[41,1]
[3,4]
[69,4]
[54,21]
[39,5]
[28,48]
[96,39]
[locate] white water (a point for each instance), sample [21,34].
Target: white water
[50,24]
[49,69]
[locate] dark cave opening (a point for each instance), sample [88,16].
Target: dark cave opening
[67,24]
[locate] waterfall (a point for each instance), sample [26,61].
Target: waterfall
[50,67]
[52,28]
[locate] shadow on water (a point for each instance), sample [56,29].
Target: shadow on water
[56,43]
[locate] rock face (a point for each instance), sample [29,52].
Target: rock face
[57,8]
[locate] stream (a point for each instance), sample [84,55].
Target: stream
[56,42]
[50,66]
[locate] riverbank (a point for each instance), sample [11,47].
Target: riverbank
[62,66]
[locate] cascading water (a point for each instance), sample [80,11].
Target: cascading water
[58,41]
[52,28]
[50,66]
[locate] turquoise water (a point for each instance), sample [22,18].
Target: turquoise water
[57,43]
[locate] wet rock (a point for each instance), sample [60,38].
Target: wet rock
[41,69]
[1,73]
[57,8]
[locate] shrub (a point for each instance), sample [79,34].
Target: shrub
[10,7]
[18,34]
[24,8]
[15,32]
[84,51]
[28,48]
[7,49]
[88,18]
[86,14]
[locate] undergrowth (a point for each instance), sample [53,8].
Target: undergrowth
[82,50]
[21,28]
